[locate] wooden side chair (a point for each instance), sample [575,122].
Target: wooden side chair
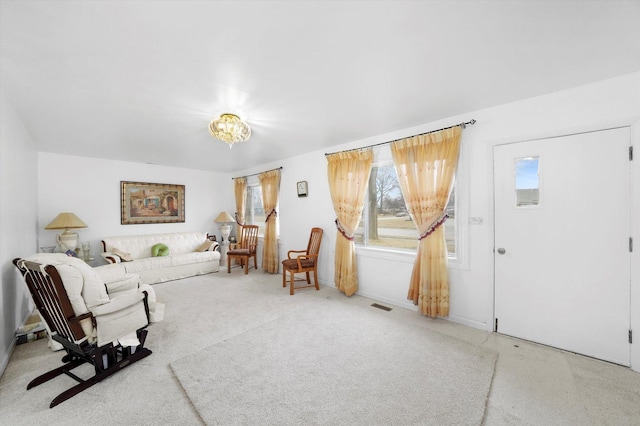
[246,248]
[305,261]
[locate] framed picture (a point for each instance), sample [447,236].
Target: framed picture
[142,202]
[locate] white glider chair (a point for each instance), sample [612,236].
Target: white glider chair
[96,322]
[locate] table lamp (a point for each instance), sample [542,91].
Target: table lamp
[224,220]
[67,240]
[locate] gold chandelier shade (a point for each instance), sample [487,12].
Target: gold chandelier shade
[230,128]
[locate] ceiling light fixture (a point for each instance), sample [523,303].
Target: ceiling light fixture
[230,128]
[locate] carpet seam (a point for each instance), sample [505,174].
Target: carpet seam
[486,402]
[186,395]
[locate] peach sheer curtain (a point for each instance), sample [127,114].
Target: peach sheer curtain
[240,191]
[426,165]
[348,180]
[270,184]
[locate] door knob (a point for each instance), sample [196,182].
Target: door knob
[501,251]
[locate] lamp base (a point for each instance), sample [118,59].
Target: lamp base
[225,230]
[67,241]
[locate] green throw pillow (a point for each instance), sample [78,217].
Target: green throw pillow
[159,250]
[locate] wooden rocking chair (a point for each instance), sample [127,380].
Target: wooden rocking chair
[306,261]
[89,337]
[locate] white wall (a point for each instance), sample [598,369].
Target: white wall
[90,188]
[385,275]
[18,207]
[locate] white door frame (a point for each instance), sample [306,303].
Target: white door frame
[634,124]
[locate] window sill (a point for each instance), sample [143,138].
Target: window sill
[383,253]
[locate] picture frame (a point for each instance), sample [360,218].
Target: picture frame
[303,188]
[146,202]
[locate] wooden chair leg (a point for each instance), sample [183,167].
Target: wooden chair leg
[308,278]
[246,265]
[315,278]
[292,280]
[284,277]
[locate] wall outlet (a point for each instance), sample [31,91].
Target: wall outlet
[475,221]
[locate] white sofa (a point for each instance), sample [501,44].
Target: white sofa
[184,259]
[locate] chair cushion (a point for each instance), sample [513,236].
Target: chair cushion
[293,263]
[85,289]
[238,251]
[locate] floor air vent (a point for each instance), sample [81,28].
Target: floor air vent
[384,308]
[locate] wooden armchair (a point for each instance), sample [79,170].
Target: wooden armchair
[246,248]
[305,261]
[90,328]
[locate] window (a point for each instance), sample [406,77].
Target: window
[527,182]
[254,213]
[385,220]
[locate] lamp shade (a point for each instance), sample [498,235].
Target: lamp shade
[224,217]
[66,221]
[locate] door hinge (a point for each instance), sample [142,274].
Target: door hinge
[630,336]
[495,327]
[630,153]
[630,244]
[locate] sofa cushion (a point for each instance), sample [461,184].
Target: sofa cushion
[194,257]
[139,246]
[148,263]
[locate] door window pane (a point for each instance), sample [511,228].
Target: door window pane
[527,182]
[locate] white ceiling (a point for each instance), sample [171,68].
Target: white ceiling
[140,80]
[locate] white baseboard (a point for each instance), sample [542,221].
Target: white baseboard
[6,357]
[469,323]
[409,305]
[405,305]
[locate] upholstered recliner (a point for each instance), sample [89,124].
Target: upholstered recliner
[97,320]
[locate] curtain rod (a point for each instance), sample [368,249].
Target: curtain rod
[256,174]
[463,125]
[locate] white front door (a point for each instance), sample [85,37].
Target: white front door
[562,260]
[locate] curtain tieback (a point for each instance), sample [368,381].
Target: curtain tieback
[435,225]
[238,222]
[342,231]
[272,212]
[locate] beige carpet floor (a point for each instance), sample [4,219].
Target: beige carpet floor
[532,384]
[336,363]
[201,312]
